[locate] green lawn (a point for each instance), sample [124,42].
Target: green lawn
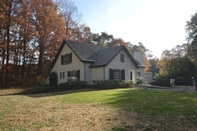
[170,106]
[148,102]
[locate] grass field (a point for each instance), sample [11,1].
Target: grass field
[100,110]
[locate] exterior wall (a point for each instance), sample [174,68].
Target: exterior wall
[87,75]
[97,73]
[127,65]
[141,71]
[148,76]
[75,65]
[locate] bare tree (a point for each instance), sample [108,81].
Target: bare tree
[72,18]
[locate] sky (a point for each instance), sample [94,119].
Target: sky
[158,24]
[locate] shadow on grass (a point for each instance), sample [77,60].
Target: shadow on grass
[46,91]
[177,109]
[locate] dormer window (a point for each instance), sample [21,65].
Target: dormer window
[66,59]
[121,57]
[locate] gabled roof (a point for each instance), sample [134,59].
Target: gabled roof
[96,54]
[83,50]
[140,65]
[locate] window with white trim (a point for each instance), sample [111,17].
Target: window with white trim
[62,75]
[74,75]
[117,74]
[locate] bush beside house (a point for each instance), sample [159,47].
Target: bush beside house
[53,79]
[107,84]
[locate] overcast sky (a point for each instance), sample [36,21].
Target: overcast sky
[158,24]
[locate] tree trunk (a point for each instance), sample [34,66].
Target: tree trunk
[24,50]
[8,42]
[2,68]
[40,62]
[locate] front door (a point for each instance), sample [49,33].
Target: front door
[131,75]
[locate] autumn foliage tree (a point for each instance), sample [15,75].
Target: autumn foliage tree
[176,63]
[48,29]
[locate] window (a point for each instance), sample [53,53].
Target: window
[66,59]
[121,57]
[131,75]
[116,74]
[62,75]
[74,75]
[138,73]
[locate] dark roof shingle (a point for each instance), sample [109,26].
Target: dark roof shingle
[98,55]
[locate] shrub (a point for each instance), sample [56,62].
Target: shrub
[53,79]
[160,80]
[140,80]
[127,83]
[107,84]
[72,85]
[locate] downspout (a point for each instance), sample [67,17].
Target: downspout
[85,72]
[104,73]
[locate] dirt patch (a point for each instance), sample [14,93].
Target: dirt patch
[10,91]
[70,117]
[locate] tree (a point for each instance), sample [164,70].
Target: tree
[153,63]
[104,39]
[71,17]
[117,42]
[24,32]
[49,28]
[176,63]
[191,29]
[7,10]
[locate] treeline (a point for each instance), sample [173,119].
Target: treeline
[181,61]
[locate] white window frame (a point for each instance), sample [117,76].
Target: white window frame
[117,74]
[73,75]
[62,75]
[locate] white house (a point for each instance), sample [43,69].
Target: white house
[87,62]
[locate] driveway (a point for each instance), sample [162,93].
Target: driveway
[175,88]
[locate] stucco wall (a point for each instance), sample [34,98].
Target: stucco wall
[87,74]
[148,77]
[97,73]
[127,65]
[141,70]
[75,65]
